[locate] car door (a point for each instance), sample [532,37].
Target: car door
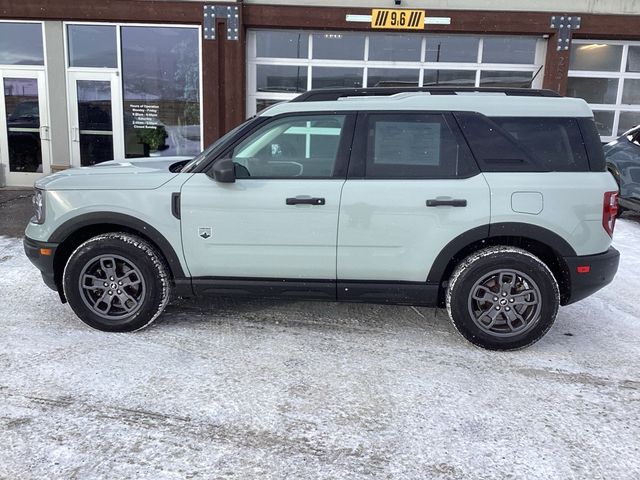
[279,219]
[412,188]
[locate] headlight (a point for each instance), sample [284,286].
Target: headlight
[38,207]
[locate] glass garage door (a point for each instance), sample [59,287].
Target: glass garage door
[282,64]
[607,75]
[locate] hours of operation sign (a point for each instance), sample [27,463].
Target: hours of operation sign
[397,19]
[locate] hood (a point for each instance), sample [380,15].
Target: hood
[134,174]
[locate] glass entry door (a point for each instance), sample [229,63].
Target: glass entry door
[96,118]
[24,127]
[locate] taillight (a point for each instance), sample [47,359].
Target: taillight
[610,211]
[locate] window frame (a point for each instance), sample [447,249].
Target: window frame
[359,151]
[118,70]
[342,155]
[422,65]
[621,74]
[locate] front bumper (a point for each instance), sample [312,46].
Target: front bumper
[601,270]
[41,254]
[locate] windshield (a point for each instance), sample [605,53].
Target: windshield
[193,164]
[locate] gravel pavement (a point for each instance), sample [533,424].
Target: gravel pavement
[262,389]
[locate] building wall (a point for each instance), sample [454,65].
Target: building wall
[225,63]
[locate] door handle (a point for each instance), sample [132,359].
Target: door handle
[436,202]
[305,201]
[75,134]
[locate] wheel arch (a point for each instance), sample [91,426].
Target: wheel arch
[74,232]
[541,242]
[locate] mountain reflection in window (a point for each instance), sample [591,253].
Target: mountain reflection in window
[161,72]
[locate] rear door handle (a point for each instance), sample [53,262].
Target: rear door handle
[436,202]
[305,201]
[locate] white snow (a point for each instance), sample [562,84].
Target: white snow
[261,389]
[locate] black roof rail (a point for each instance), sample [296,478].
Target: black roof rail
[329,94]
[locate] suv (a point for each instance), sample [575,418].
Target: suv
[493,203]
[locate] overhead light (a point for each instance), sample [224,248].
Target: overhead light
[593,46]
[332,35]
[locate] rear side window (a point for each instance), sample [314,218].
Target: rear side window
[525,144]
[415,146]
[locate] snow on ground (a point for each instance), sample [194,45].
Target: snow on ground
[266,389]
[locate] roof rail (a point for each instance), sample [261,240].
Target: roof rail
[329,94]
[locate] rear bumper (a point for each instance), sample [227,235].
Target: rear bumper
[41,254]
[602,269]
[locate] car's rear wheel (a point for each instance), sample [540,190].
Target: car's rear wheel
[502,298]
[116,282]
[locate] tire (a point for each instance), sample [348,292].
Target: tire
[117,282]
[528,299]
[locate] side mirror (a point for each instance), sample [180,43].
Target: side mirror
[223,171]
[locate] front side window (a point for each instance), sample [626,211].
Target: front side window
[414,146]
[305,146]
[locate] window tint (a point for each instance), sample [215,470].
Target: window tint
[555,143]
[415,146]
[509,144]
[292,147]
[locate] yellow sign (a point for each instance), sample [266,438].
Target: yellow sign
[397,19]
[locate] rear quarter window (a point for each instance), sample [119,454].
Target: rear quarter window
[525,144]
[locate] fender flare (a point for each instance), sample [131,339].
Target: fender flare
[504,229]
[72,225]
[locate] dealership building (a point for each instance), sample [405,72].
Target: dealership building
[84,82]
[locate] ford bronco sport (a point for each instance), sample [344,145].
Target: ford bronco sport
[493,203]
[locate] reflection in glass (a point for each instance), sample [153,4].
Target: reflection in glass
[280,78]
[95,121]
[505,79]
[160,70]
[262,103]
[452,48]
[23,124]
[604,122]
[338,46]
[92,46]
[596,57]
[327,77]
[509,50]
[627,121]
[631,91]
[395,48]
[393,77]
[633,59]
[21,44]
[282,44]
[458,78]
[593,90]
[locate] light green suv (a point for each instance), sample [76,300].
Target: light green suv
[493,203]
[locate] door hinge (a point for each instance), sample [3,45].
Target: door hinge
[175,204]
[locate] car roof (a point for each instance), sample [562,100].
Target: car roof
[488,103]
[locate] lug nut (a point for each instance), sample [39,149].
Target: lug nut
[495,299]
[507,309]
[110,292]
[112,279]
[504,294]
[106,284]
[120,282]
[511,300]
[118,292]
[497,307]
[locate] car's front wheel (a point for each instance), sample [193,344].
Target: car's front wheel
[117,282]
[502,298]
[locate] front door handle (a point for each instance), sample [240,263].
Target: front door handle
[305,201]
[437,202]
